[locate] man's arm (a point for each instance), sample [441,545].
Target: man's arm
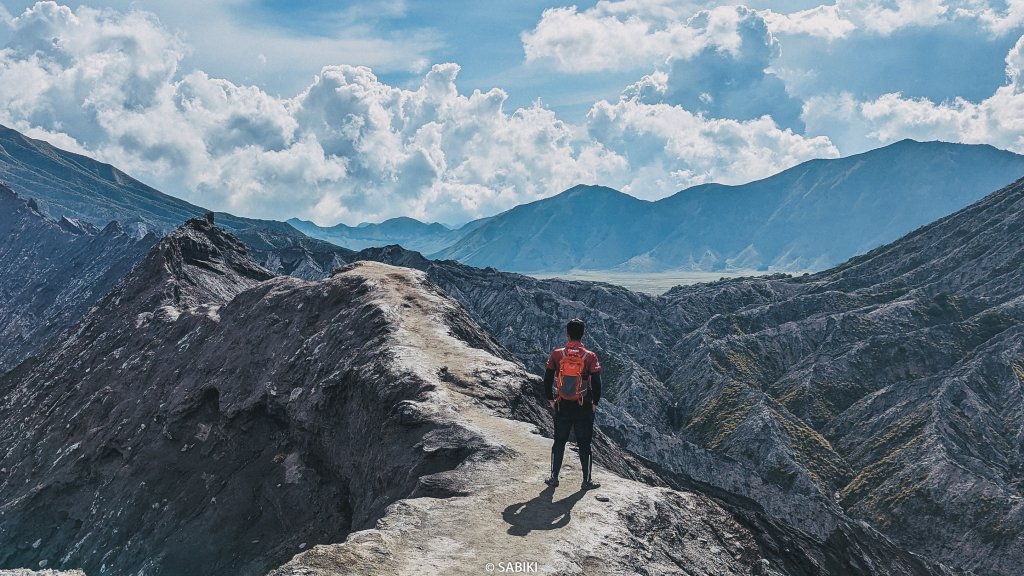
[595,387]
[549,376]
[549,380]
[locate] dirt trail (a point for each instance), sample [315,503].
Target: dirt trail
[508,514]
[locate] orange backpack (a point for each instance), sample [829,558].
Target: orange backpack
[571,381]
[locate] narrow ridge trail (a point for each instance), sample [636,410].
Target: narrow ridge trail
[495,510]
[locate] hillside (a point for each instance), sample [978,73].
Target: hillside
[64,184]
[52,271]
[223,419]
[887,389]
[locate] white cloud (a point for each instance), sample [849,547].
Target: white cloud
[997,120]
[630,35]
[886,16]
[821,21]
[350,147]
[669,148]
[592,41]
[998,21]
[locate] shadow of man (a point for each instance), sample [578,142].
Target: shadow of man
[541,513]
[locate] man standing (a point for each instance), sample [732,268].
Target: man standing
[572,383]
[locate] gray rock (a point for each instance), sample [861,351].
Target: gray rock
[890,380]
[162,435]
[52,271]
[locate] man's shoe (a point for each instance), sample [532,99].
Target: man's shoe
[590,485]
[551,481]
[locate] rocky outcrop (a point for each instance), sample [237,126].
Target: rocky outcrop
[286,252]
[886,390]
[208,417]
[52,271]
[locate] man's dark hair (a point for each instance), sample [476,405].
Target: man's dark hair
[574,329]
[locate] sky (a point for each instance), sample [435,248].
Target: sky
[354,111]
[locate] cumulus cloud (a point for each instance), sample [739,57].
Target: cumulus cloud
[820,21]
[630,35]
[733,77]
[603,38]
[999,21]
[716,62]
[350,147]
[996,120]
[886,16]
[669,148]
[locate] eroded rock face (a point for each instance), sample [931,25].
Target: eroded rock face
[52,271]
[887,389]
[286,251]
[207,417]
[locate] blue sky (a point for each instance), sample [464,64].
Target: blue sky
[355,111]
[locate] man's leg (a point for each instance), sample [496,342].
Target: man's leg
[584,433]
[563,426]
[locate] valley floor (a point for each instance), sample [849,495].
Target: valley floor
[649,282]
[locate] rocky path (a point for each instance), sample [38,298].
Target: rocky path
[498,512]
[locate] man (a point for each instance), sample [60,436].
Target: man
[574,404]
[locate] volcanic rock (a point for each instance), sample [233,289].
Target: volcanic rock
[885,391]
[52,271]
[207,417]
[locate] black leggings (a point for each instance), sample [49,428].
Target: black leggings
[569,416]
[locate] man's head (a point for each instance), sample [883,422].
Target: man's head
[575,329]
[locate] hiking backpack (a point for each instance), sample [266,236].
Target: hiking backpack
[572,382]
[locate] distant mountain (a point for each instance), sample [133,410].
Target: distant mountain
[809,217]
[408,232]
[585,227]
[68,184]
[886,389]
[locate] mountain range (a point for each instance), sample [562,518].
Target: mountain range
[408,232]
[209,415]
[808,218]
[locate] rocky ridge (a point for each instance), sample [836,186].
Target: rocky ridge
[885,390]
[208,417]
[52,271]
